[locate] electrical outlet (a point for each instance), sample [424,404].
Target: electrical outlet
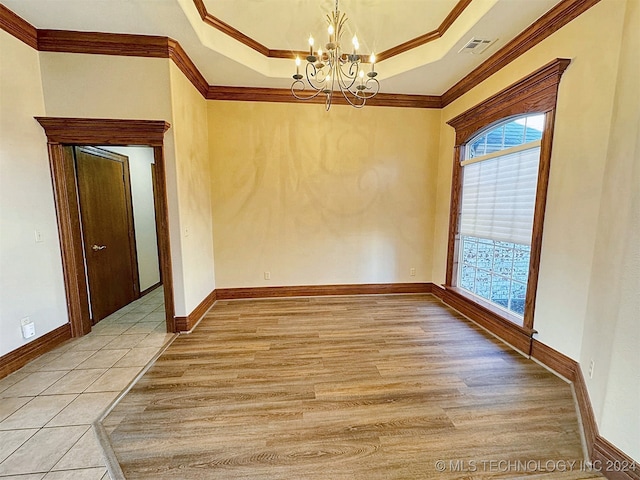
[592,365]
[267,275]
[412,272]
[28,327]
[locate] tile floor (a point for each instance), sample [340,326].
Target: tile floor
[47,407]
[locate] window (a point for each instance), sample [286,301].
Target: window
[500,176]
[499,180]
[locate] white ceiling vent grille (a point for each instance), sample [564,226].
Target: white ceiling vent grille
[476,45]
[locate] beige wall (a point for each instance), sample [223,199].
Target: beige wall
[321,198]
[194,189]
[104,86]
[30,273]
[578,211]
[612,324]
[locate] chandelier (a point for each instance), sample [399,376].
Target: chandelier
[334,70]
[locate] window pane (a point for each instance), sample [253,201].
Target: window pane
[483,284]
[495,270]
[467,279]
[521,263]
[510,134]
[518,294]
[500,290]
[485,254]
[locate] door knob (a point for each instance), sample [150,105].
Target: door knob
[95,248]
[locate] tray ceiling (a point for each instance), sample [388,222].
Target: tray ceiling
[428,69]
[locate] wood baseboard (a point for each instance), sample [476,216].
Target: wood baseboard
[606,457]
[184,324]
[555,360]
[515,335]
[585,410]
[612,462]
[322,290]
[19,357]
[150,289]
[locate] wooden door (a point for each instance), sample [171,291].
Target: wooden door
[106,213]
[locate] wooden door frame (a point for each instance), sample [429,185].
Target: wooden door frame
[64,132]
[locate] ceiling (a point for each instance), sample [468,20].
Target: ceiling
[428,69]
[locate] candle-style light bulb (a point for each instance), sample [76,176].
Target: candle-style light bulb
[297,65]
[372,59]
[320,55]
[356,45]
[361,77]
[310,45]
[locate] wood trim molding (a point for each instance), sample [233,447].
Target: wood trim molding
[555,360]
[164,47]
[322,290]
[99,131]
[187,67]
[515,335]
[537,92]
[19,357]
[161,201]
[556,18]
[184,324]
[18,27]
[613,462]
[275,53]
[65,192]
[147,291]
[589,424]
[61,134]
[98,43]
[283,95]
[604,455]
[427,37]
[229,30]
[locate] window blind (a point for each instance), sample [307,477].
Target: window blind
[498,196]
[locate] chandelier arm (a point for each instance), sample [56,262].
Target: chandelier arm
[347,94]
[299,86]
[315,76]
[346,81]
[372,87]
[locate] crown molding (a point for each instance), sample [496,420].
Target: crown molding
[288,54]
[550,22]
[427,37]
[164,47]
[188,68]
[18,27]
[283,95]
[99,43]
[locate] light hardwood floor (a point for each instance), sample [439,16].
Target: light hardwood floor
[369,387]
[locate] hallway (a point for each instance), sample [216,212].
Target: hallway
[47,407]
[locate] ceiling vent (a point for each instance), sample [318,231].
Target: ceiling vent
[476,45]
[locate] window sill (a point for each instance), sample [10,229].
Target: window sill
[505,326]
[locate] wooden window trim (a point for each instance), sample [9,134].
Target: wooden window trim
[536,93]
[64,132]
